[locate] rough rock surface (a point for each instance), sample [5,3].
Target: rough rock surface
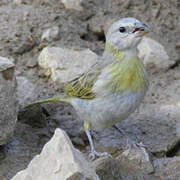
[8,101]
[73,4]
[25,90]
[117,168]
[153,54]
[168,168]
[50,34]
[139,157]
[59,160]
[120,169]
[63,65]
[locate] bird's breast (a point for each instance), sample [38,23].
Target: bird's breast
[124,75]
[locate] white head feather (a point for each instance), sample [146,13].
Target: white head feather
[126,33]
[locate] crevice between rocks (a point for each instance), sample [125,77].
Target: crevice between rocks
[91,36]
[173,151]
[176,64]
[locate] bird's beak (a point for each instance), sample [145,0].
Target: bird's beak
[141,30]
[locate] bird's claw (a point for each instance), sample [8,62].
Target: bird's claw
[95,154]
[137,146]
[141,145]
[140,148]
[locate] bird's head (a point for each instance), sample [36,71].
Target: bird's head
[126,33]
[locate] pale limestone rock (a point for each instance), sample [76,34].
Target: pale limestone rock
[63,65]
[59,160]
[140,157]
[5,63]
[120,168]
[17,2]
[153,54]
[173,112]
[168,168]
[73,4]
[50,34]
[8,101]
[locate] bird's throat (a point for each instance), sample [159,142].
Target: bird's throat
[127,71]
[114,51]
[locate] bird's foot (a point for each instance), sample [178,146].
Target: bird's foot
[139,148]
[130,142]
[95,154]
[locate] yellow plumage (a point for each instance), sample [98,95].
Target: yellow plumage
[127,75]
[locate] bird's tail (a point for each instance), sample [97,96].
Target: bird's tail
[62,98]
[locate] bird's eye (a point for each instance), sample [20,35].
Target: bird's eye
[122,29]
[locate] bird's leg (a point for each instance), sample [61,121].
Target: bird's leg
[93,153]
[130,142]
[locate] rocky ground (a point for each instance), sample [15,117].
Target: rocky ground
[29,26]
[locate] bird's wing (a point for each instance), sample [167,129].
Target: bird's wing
[82,86]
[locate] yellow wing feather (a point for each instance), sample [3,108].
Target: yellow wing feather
[81,87]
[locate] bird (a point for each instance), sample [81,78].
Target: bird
[114,86]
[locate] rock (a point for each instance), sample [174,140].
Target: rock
[62,65]
[8,101]
[115,169]
[172,111]
[21,46]
[59,160]
[18,2]
[126,4]
[168,168]
[2,178]
[153,54]
[177,46]
[96,25]
[141,159]
[73,4]
[33,116]
[96,28]
[51,34]
[78,141]
[108,23]
[25,90]
[155,12]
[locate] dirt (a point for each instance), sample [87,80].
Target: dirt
[21,29]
